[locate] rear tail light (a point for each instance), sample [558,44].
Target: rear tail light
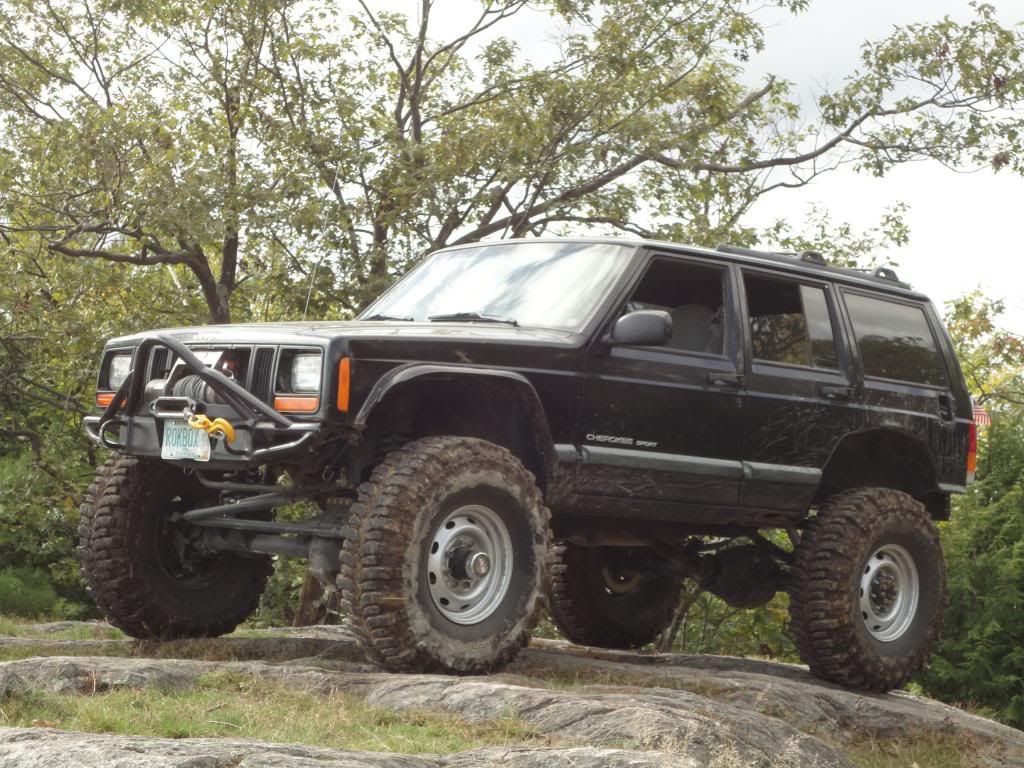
[972,452]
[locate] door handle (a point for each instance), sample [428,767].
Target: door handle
[725,379]
[830,392]
[946,412]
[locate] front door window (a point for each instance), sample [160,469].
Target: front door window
[694,296]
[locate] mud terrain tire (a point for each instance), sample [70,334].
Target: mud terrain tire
[395,556]
[874,538]
[590,608]
[134,572]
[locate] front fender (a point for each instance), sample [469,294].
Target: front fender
[409,373]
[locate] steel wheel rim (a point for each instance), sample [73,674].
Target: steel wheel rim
[890,590]
[469,565]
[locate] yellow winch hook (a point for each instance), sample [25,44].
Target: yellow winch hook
[215,428]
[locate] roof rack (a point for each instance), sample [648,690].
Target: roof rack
[811,257]
[886,273]
[739,250]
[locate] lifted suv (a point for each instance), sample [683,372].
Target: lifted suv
[752,421]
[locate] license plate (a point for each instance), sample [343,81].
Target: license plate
[184,442]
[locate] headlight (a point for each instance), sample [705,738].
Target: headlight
[306,373]
[117,372]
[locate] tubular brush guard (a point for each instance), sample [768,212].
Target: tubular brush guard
[244,403]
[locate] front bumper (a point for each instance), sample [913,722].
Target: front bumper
[261,432]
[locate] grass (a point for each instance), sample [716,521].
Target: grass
[930,750]
[199,650]
[19,652]
[18,627]
[230,704]
[226,704]
[925,750]
[571,677]
[93,640]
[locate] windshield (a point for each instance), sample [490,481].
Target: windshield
[554,285]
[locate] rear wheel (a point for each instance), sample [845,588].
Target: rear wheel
[141,566]
[443,557]
[600,596]
[868,589]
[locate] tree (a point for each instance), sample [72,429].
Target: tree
[639,124]
[979,658]
[990,357]
[328,149]
[55,313]
[125,130]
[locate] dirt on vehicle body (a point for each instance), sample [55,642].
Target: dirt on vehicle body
[597,419]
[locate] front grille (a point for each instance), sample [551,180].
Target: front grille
[263,374]
[257,378]
[160,366]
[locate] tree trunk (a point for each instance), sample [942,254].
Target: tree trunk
[307,612]
[668,637]
[216,294]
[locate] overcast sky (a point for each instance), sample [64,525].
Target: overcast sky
[965,228]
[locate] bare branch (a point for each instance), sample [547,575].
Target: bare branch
[575,193]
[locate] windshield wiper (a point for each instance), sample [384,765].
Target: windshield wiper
[390,317]
[472,317]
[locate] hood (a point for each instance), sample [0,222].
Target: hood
[292,332]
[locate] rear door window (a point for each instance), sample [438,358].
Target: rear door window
[895,340]
[790,323]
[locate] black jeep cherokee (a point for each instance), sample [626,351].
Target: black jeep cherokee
[752,421]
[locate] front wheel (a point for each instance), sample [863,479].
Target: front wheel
[868,589]
[142,567]
[443,557]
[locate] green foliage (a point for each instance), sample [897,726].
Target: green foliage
[38,528]
[980,660]
[281,597]
[990,357]
[261,148]
[839,242]
[26,592]
[55,315]
[712,626]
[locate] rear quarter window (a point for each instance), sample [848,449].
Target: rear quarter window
[895,340]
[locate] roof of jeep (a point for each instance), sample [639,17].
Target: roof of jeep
[767,259]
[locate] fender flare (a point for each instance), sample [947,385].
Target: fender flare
[409,372]
[883,432]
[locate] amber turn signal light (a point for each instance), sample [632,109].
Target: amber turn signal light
[103,399]
[296,404]
[344,383]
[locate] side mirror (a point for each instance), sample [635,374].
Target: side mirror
[643,328]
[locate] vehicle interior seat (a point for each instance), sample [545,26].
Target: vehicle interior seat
[696,328]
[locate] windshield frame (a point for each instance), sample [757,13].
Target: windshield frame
[593,318]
